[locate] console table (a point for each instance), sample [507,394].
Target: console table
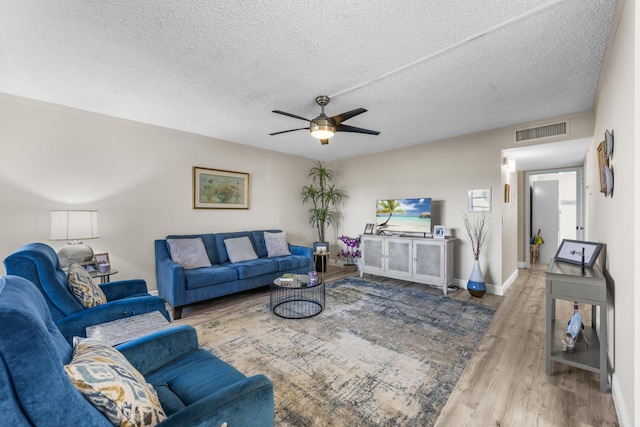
[416,259]
[567,282]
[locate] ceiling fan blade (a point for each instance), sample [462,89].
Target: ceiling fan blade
[345,116]
[290,115]
[285,131]
[324,141]
[347,128]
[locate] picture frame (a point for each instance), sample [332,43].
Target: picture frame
[608,143]
[220,189]
[102,258]
[368,229]
[90,266]
[320,249]
[439,231]
[571,251]
[480,200]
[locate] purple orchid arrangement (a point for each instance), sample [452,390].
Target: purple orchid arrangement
[352,251]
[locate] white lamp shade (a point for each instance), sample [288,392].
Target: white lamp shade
[74,225]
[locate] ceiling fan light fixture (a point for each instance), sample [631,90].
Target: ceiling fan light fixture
[322,127]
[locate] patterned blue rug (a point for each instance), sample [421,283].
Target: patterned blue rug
[377,355]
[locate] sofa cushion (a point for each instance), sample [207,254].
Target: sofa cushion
[207,239]
[208,276]
[257,236]
[107,380]
[292,262]
[240,249]
[82,287]
[256,267]
[189,253]
[276,244]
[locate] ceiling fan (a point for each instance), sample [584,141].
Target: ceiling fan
[324,127]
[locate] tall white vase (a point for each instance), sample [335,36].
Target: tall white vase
[476,285]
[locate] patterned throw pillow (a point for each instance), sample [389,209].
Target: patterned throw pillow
[110,383]
[82,287]
[276,244]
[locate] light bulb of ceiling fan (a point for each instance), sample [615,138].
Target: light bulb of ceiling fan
[322,127]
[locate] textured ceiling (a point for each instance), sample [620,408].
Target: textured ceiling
[425,70]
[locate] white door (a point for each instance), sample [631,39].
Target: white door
[545,217]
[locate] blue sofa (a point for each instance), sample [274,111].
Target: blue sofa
[38,263]
[180,286]
[194,387]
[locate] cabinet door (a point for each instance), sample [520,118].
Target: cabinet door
[398,257]
[429,261]
[372,254]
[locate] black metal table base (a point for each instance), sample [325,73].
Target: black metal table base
[297,302]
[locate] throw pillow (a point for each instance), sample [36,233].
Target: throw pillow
[240,249]
[189,253]
[82,287]
[110,383]
[276,244]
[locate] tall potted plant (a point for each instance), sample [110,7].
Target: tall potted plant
[324,198]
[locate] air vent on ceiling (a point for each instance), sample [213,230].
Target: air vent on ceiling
[545,131]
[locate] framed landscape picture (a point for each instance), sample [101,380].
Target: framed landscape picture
[220,189]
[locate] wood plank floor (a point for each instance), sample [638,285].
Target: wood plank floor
[505,383]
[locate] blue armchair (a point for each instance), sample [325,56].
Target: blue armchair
[38,263]
[194,387]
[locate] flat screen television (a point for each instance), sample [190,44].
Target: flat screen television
[395,216]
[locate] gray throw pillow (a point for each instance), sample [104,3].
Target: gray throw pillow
[240,249]
[189,253]
[276,244]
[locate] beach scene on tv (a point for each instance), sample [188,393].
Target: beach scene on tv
[403,215]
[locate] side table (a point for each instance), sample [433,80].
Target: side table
[104,277]
[567,282]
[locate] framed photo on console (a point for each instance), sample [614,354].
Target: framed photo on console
[438,231]
[578,252]
[101,258]
[368,229]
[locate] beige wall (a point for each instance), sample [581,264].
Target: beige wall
[615,220]
[138,177]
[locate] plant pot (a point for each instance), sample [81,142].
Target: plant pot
[476,285]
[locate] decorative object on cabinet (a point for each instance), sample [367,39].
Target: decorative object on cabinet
[74,225]
[476,234]
[438,231]
[417,259]
[368,229]
[220,189]
[480,200]
[579,252]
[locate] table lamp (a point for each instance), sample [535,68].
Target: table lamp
[74,225]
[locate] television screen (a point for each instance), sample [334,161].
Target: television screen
[404,215]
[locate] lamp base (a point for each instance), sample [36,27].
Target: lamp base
[74,252]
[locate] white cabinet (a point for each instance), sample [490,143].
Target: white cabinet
[421,260]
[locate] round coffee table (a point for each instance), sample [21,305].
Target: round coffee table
[295,299]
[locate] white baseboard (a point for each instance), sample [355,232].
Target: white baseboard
[621,409]
[154,292]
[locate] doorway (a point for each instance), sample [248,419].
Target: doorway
[554,204]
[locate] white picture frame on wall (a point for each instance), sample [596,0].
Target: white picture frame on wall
[480,200]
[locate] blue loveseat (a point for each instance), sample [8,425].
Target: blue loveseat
[181,286]
[194,387]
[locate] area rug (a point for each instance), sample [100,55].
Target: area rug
[378,355]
